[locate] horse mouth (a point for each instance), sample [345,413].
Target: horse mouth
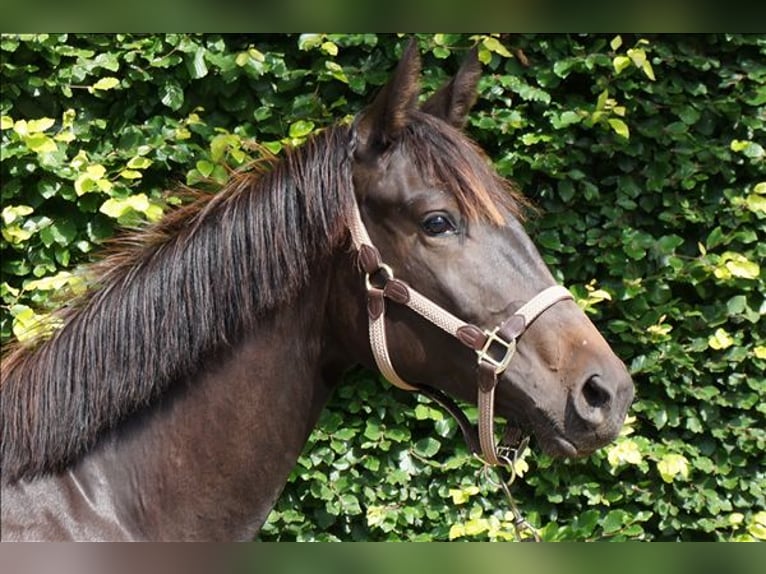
[548,437]
[559,446]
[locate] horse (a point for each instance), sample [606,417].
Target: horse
[178,393]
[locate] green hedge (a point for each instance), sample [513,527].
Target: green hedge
[644,154]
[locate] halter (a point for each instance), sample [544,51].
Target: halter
[494,347]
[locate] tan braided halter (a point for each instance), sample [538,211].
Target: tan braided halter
[494,348]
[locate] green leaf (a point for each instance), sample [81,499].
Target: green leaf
[424,412]
[757,526]
[620,63]
[41,125]
[427,447]
[748,148]
[715,238]
[441,52]
[310,41]
[92,180]
[646,68]
[13,212]
[172,95]
[197,65]
[720,340]
[40,143]
[205,167]
[565,120]
[493,45]
[671,466]
[619,127]
[336,71]
[756,203]
[62,232]
[20,127]
[736,305]
[463,495]
[372,430]
[301,128]
[626,451]
[221,144]
[56,282]
[116,208]
[330,48]
[739,266]
[614,521]
[139,162]
[106,83]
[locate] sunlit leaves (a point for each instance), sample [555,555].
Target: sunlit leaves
[673,467]
[625,451]
[731,264]
[11,213]
[121,208]
[720,340]
[637,56]
[300,129]
[757,527]
[748,148]
[106,83]
[92,179]
[619,127]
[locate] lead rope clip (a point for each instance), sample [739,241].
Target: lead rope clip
[523,530]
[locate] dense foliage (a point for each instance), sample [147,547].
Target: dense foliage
[644,154]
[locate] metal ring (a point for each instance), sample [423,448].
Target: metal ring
[383,267]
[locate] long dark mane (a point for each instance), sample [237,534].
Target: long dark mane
[168,297]
[171,296]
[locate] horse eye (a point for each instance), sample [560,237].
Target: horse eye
[438,224]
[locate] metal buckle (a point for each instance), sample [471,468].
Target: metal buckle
[509,350]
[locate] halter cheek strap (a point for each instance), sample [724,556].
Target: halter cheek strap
[494,348]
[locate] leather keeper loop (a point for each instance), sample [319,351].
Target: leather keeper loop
[471,336]
[397,291]
[376,304]
[487,377]
[369,258]
[513,327]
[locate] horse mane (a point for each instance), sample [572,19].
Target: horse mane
[169,297]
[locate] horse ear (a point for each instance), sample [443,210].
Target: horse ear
[454,100]
[383,121]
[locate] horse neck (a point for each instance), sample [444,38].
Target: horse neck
[210,460]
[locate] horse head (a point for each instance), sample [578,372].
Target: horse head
[450,229]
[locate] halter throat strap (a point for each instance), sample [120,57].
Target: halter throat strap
[494,348]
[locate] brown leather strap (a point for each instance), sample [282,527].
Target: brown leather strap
[470,435]
[486,402]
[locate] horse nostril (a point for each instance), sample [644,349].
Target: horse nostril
[596,395]
[593,402]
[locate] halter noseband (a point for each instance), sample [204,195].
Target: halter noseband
[494,348]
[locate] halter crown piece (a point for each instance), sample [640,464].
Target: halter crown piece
[494,347]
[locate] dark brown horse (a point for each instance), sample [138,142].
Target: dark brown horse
[176,398]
